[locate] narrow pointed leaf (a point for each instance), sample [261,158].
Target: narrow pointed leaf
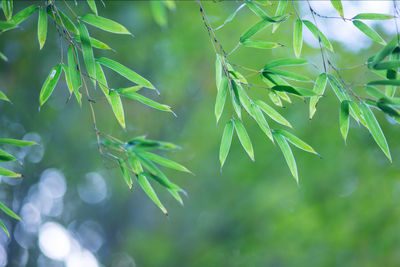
[288,75]
[4,228]
[388,49]
[369,32]
[337,4]
[262,123]
[298,37]
[42,27]
[375,130]
[344,119]
[296,141]
[148,189]
[15,142]
[125,172]
[318,34]
[288,154]
[285,62]
[49,84]
[23,14]
[95,43]
[117,107]
[280,11]
[8,8]
[373,16]
[65,21]
[124,71]
[254,29]
[295,91]
[9,212]
[105,24]
[4,97]
[233,15]
[8,173]
[319,89]
[221,98]
[92,5]
[226,142]
[244,138]
[394,64]
[385,82]
[74,74]
[4,156]
[259,12]
[148,101]
[272,113]
[275,98]
[165,162]
[87,51]
[260,44]
[3,57]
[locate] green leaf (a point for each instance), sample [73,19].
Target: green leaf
[65,21]
[92,5]
[42,27]
[344,119]
[15,142]
[288,75]
[128,89]
[260,119]
[125,172]
[24,14]
[243,98]
[49,84]
[295,91]
[318,34]
[146,144]
[73,72]
[259,12]
[124,71]
[319,89]
[117,107]
[244,138]
[221,98]
[3,57]
[260,44]
[4,228]
[393,64]
[105,24]
[388,49]
[385,82]
[233,15]
[280,11]
[159,13]
[288,154]
[272,113]
[236,104]
[165,162]
[369,32]
[148,189]
[9,212]
[275,98]
[148,102]
[226,142]
[4,156]
[253,30]
[4,97]
[87,51]
[8,8]
[296,141]
[337,4]
[5,26]
[297,37]
[8,173]
[337,88]
[375,92]
[95,43]
[67,78]
[373,16]
[285,62]
[375,130]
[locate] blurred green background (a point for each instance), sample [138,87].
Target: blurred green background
[78,211]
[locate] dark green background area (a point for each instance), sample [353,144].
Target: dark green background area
[345,212]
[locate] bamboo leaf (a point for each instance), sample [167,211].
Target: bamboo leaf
[4,156]
[9,212]
[233,15]
[253,30]
[275,98]
[65,21]
[117,107]
[373,16]
[42,27]
[262,123]
[385,82]
[148,102]
[87,51]
[226,142]
[128,89]
[4,228]
[105,24]
[7,8]
[296,141]
[73,72]
[221,98]
[288,75]
[337,4]
[385,51]
[244,138]
[295,91]
[297,37]
[8,173]
[148,189]
[260,44]
[285,62]
[95,43]
[159,13]
[4,97]
[124,71]
[49,84]
[243,98]
[92,5]
[393,64]
[288,154]
[375,130]
[280,11]
[259,12]
[337,88]
[318,34]
[375,92]
[369,32]
[165,162]
[319,89]
[125,172]
[272,113]
[15,142]
[3,57]
[23,14]
[344,119]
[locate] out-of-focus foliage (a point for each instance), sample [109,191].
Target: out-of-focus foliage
[345,211]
